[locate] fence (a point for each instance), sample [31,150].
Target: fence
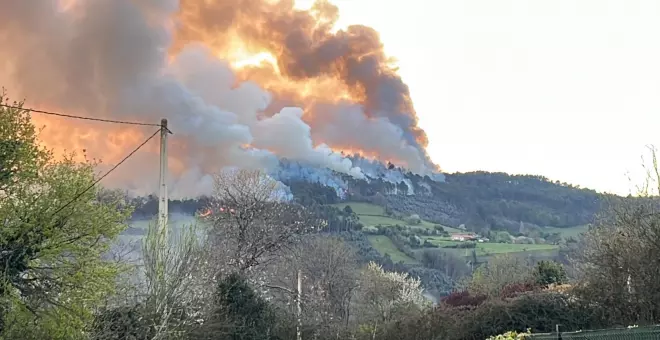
[636,333]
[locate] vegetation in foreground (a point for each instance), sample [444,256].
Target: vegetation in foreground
[265,269]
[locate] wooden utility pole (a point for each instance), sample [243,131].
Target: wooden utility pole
[162,203]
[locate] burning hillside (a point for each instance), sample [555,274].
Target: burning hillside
[243,83]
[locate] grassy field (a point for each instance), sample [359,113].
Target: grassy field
[488,249]
[384,246]
[372,215]
[568,232]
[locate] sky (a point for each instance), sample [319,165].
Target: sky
[567,89]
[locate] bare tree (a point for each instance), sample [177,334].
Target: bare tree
[251,219]
[165,295]
[332,268]
[618,259]
[330,274]
[174,271]
[498,272]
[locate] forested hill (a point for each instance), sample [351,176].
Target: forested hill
[502,201]
[478,200]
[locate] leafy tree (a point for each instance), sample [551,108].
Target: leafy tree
[549,272]
[413,219]
[56,225]
[240,314]
[348,210]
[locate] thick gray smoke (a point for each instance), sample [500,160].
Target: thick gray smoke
[109,58]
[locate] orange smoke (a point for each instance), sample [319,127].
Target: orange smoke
[295,55]
[138,60]
[109,144]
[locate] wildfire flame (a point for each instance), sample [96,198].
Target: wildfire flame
[209,212]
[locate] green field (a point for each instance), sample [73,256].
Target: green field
[488,249]
[384,245]
[372,215]
[568,232]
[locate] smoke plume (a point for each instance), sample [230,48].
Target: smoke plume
[242,82]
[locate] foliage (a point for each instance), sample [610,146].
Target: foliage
[517,288]
[174,277]
[539,312]
[121,323]
[452,266]
[502,270]
[413,219]
[52,237]
[511,335]
[383,293]
[240,314]
[463,298]
[310,194]
[549,272]
[480,200]
[485,200]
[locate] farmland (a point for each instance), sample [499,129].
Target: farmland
[489,249]
[373,215]
[568,232]
[384,245]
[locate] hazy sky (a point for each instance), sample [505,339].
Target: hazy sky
[568,89]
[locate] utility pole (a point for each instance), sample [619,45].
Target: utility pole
[299,307]
[162,239]
[162,203]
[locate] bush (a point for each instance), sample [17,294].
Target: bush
[413,219]
[463,298]
[125,322]
[240,313]
[464,245]
[428,244]
[511,335]
[549,272]
[515,289]
[371,230]
[539,311]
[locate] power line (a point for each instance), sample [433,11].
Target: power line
[107,173]
[50,113]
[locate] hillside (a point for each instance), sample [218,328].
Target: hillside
[384,232]
[420,233]
[488,201]
[479,200]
